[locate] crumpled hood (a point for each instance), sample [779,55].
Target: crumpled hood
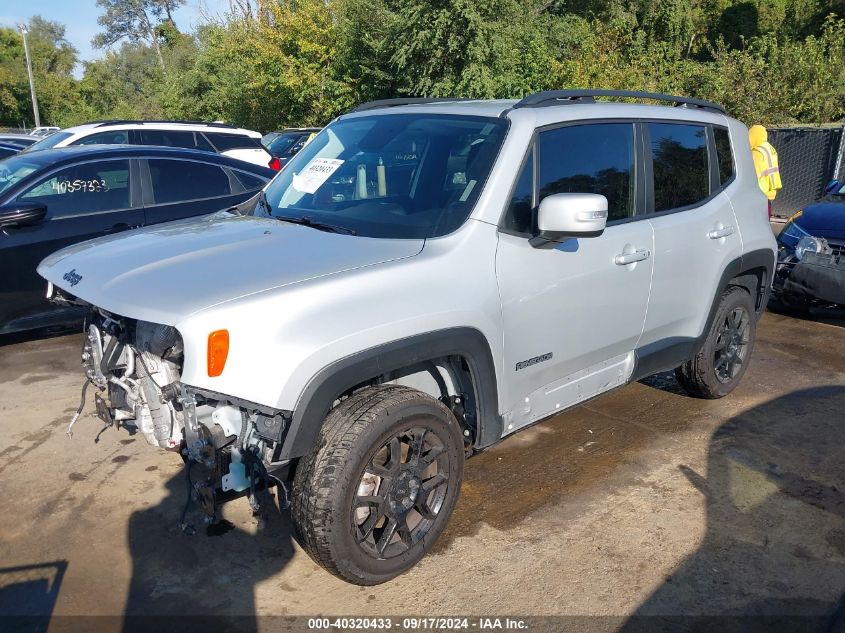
[166,272]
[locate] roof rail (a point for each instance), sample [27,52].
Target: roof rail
[392,103]
[138,122]
[560,97]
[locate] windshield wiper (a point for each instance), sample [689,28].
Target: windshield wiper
[316,224]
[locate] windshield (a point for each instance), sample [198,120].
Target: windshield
[49,141]
[16,168]
[394,175]
[282,143]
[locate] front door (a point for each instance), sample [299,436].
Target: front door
[572,314]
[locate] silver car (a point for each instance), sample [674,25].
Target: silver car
[425,278]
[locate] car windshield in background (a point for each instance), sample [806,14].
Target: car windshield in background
[282,143]
[391,176]
[49,141]
[16,168]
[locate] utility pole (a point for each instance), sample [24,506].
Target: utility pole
[24,31]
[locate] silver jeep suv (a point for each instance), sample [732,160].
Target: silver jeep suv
[425,278]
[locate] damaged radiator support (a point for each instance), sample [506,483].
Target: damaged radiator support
[228,445]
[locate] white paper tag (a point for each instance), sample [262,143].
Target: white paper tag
[316,172]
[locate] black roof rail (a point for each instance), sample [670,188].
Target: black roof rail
[392,103]
[139,122]
[560,97]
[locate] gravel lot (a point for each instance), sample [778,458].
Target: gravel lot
[642,502]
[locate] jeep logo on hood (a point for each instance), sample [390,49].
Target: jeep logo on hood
[72,277]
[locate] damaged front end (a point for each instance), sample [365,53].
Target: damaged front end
[812,272]
[229,446]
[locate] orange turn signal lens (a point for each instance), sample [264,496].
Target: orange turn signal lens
[218,350]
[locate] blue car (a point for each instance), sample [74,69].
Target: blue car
[811,254]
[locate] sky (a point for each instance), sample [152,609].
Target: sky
[80,18]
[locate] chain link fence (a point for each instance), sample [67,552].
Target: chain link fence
[809,158]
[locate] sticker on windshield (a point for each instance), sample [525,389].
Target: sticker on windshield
[316,172]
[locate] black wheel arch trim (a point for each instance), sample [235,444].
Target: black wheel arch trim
[670,353]
[329,383]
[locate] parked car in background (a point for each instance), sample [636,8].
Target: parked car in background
[219,138]
[57,197]
[268,138]
[23,140]
[8,149]
[287,144]
[44,130]
[811,255]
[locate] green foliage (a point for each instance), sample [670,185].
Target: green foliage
[53,59]
[302,62]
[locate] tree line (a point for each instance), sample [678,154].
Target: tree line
[267,64]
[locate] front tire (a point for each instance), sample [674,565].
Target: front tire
[720,364]
[378,489]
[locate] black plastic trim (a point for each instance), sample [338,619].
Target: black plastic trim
[334,380]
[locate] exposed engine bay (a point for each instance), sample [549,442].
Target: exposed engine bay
[228,445]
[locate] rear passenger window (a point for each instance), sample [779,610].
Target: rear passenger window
[723,154]
[596,158]
[226,142]
[179,181]
[175,138]
[518,217]
[679,163]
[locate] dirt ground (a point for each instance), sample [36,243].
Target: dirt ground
[642,502]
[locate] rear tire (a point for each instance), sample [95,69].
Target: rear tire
[378,489]
[720,364]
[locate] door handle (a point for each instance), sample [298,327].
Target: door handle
[715,234]
[623,259]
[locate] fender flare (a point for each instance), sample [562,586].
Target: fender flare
[323,389]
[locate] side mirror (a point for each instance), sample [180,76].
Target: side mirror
[565,215]
[832,186]
[22,214]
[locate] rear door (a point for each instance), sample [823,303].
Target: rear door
[695,235]
[182,188]
[85,200]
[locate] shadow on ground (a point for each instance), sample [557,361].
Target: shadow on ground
[773,557]
[28,595]
[209,577]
